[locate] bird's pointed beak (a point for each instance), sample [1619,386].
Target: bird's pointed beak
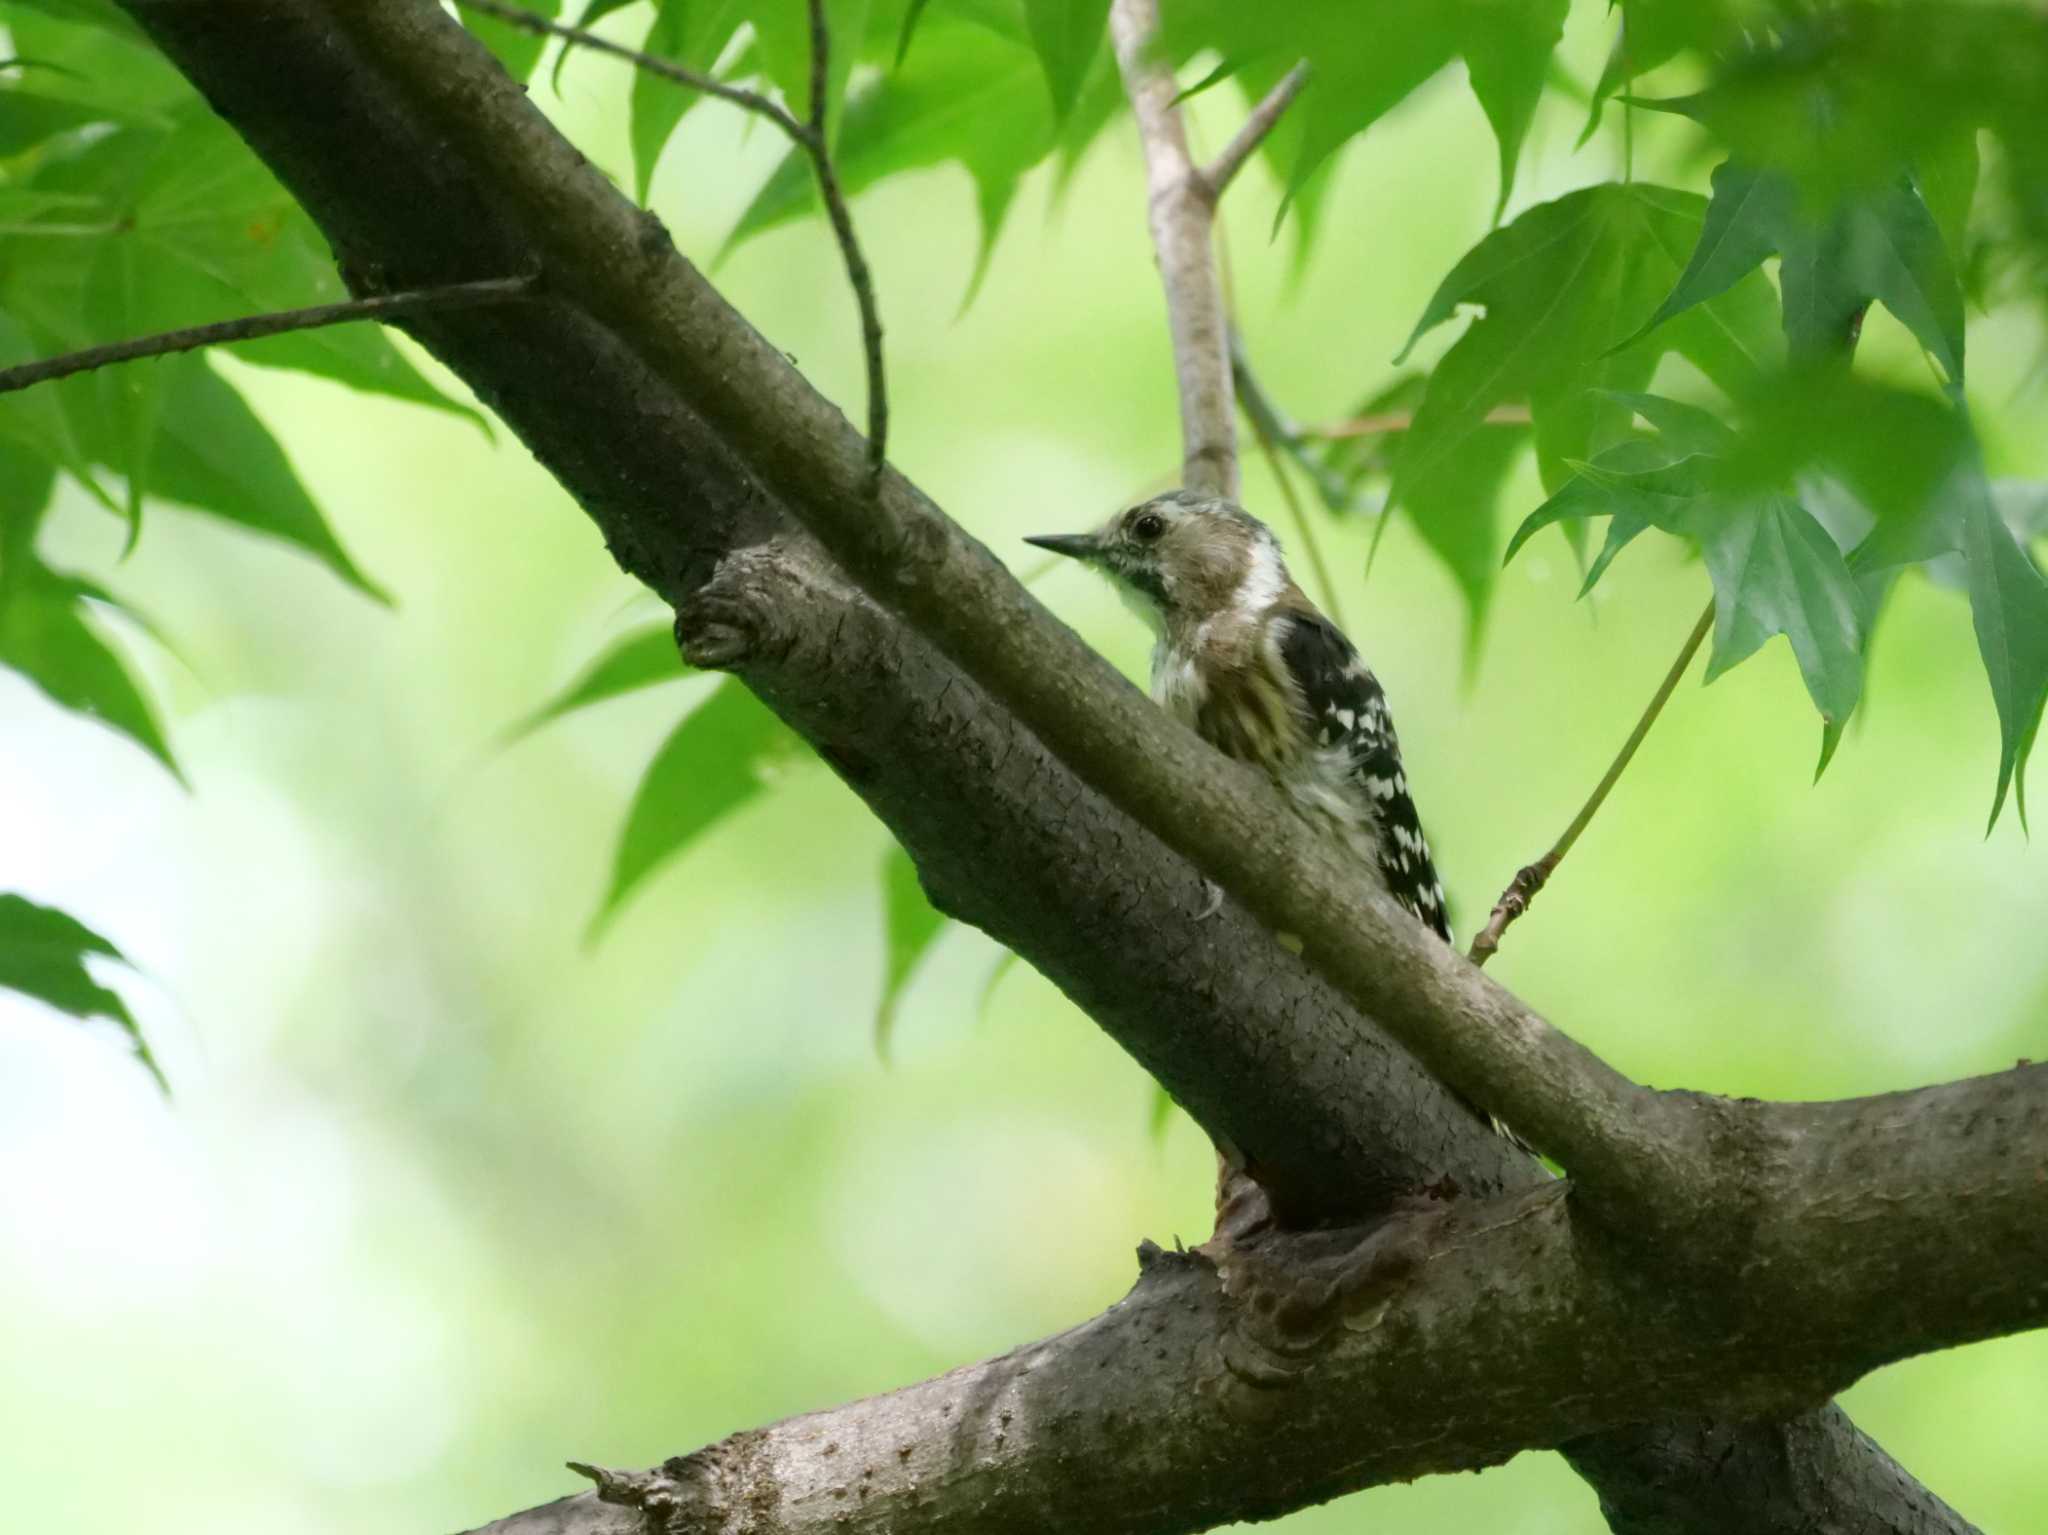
[1077,546]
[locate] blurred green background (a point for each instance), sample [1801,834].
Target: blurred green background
[446,1195]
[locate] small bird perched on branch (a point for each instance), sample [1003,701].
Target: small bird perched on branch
[1246,659]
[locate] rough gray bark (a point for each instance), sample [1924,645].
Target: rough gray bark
[1295,1366]
[420,165]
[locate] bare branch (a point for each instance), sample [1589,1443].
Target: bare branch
[1533,877]
[385,306]
[819,145]
[759,104]
[1182,221]
[1222,170]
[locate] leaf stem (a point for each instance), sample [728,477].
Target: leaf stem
[1532,877]
[383,306]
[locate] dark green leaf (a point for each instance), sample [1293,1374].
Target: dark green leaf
[42,955]
[1653,32]
[1068,35]
[2009,609]
[1561,286]
[640,658]
[910,925]
[1609,491]
[1776,571]
[712,764]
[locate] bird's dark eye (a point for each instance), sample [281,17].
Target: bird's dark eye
[1148,527]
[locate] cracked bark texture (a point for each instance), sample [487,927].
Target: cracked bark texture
[1263,1050]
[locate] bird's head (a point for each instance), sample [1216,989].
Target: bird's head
[1182,557]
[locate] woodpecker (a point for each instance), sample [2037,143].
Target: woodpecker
[1246,659]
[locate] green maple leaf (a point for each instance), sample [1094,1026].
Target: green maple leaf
[1880,245]
[1364,63]
[42,955]
[967,93]
[1564,287]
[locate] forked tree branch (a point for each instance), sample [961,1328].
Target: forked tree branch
[688,438]
[809,134]
[382,306]
[1221,171]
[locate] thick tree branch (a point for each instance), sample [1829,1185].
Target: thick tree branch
[1183,221]
[1227,1386]
[381,306]
[674,501]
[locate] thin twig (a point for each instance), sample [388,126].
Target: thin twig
[1400,421]
[752,101]
[1522,889]
[818,143]
[385,306]
[1220,171]
[809,135]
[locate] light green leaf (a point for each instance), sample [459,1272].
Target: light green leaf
[714,762]
[42,955]
[641,658]
[1507,58]
[1363,64]
[1068,35]
[782,36]
[36,420]
[592,13]
[46,637]
[1457,513]
[213,455]
[910,926]
[692,33]
[516,48]
[964,94]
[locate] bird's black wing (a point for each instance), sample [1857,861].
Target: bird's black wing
[1346,706]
